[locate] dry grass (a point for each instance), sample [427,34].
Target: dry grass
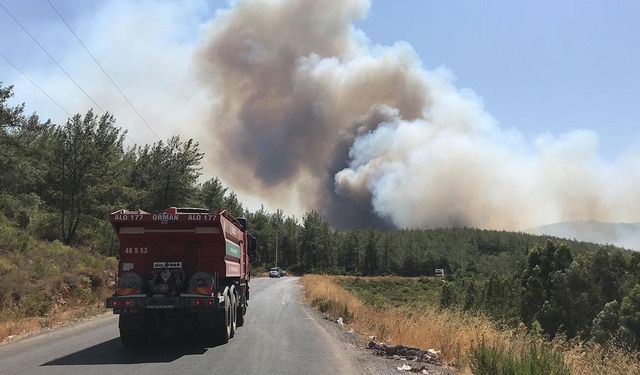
[594,359]
[452,332]
[58,317]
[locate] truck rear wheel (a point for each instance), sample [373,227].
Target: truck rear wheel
[221,332]
[242,309]
[234,313]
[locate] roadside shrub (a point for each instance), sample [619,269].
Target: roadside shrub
[536,360]
[325,305]
[347,316]
[39,276]
[37,303]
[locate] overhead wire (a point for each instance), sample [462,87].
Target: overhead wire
[34,84]
[57,64]
[115,85]
[49,55]
[14,66]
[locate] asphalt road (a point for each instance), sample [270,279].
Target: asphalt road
[280,336]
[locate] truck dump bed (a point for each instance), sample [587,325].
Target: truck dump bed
[193,241]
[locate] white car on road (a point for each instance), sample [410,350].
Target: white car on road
[276,272]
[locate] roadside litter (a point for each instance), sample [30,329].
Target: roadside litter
[403,352]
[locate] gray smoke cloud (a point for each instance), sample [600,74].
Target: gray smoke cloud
[294,81]
[306,107]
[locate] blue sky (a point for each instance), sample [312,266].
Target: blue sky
[541,66]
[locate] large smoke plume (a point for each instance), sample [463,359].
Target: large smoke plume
[307,109]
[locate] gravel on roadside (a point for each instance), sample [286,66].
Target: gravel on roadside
[366,359]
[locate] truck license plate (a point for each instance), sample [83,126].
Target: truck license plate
[167,265]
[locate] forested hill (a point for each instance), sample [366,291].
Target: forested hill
[625,235]
[58,182]
[409,252]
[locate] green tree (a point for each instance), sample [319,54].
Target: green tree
[233,205]
[212,194]
[10,117]
[371,253]
[165,173]
[606,323]
[630,315]
[501,298]
[260,227]
[311,240]
[85,163]
[24,146]
[545,272]
[288,243]
[350,253]
[608,269]
[448,295]
[387,250]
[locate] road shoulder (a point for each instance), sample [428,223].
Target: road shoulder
[363,360]
[58,329]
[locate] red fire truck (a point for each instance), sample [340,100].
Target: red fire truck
[181,270]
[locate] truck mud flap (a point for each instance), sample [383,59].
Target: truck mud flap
[131,321]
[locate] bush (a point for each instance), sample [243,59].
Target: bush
[536,360]
[333,309]
[35,304]
[325,305]
[38,276]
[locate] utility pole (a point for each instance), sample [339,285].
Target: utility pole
[277,235]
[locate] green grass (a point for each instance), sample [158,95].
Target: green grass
[395,291]
[333,308]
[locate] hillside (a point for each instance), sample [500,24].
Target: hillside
[42,282]
[408,311]
[626,235]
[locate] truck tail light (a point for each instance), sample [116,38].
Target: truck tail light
[122,303]
[202,302]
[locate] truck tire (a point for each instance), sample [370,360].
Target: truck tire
[221,331]
[242,309]
[234,312]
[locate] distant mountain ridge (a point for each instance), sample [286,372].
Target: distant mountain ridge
[626,235]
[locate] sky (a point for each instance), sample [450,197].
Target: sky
[540,66]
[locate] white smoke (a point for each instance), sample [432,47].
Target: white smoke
[292,104]
[291,79]
[458,167]
[303,94]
